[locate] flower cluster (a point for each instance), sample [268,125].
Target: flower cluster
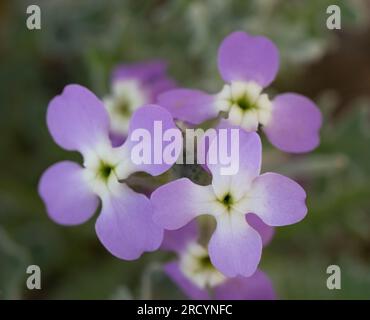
[246,206]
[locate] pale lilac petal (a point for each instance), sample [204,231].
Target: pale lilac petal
[67,198]
[177,240]
[256,287]
[160,85]
[295,123]
[151,75]
[247,161]
[172,269]
[235,248]
[155,120]
[242,57]
[77,119]
[142,71]
[125,225]
[178,202]
[116,139]
[193,106]
[265,231]
[277,200]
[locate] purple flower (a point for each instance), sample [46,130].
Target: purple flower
[196,276]
[235,246]
[78,121]
[248,64]
[134,85]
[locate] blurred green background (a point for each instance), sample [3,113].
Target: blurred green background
[80,42]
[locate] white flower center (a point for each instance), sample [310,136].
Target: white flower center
[100,169]
[245,103]
[231,200]
[197,267]
[126,97]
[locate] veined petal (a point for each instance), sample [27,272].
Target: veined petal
[295,123]
[67,198]
[172,269]
[77,119]
[242,57]
[193,106]
[125,225]
[256,287]
[277,200]
[235,248]
[177,240]
[178,202]
[151,129]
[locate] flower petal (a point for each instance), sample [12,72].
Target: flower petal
[172,269]
[277,200]
[265,231]
[125,225]
[77,119]
[235,248]
[68,199]
[256,287]
[116,139]
[177,240]
[193,106]
[156,122]
[295,123]
[158,86]
[246,160]
[180,201]
[242,57]
[144,71]
[152,76]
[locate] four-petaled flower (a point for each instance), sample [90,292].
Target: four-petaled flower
[78,121]
[235,247]
[194,273]
[132,86]
[248,64]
